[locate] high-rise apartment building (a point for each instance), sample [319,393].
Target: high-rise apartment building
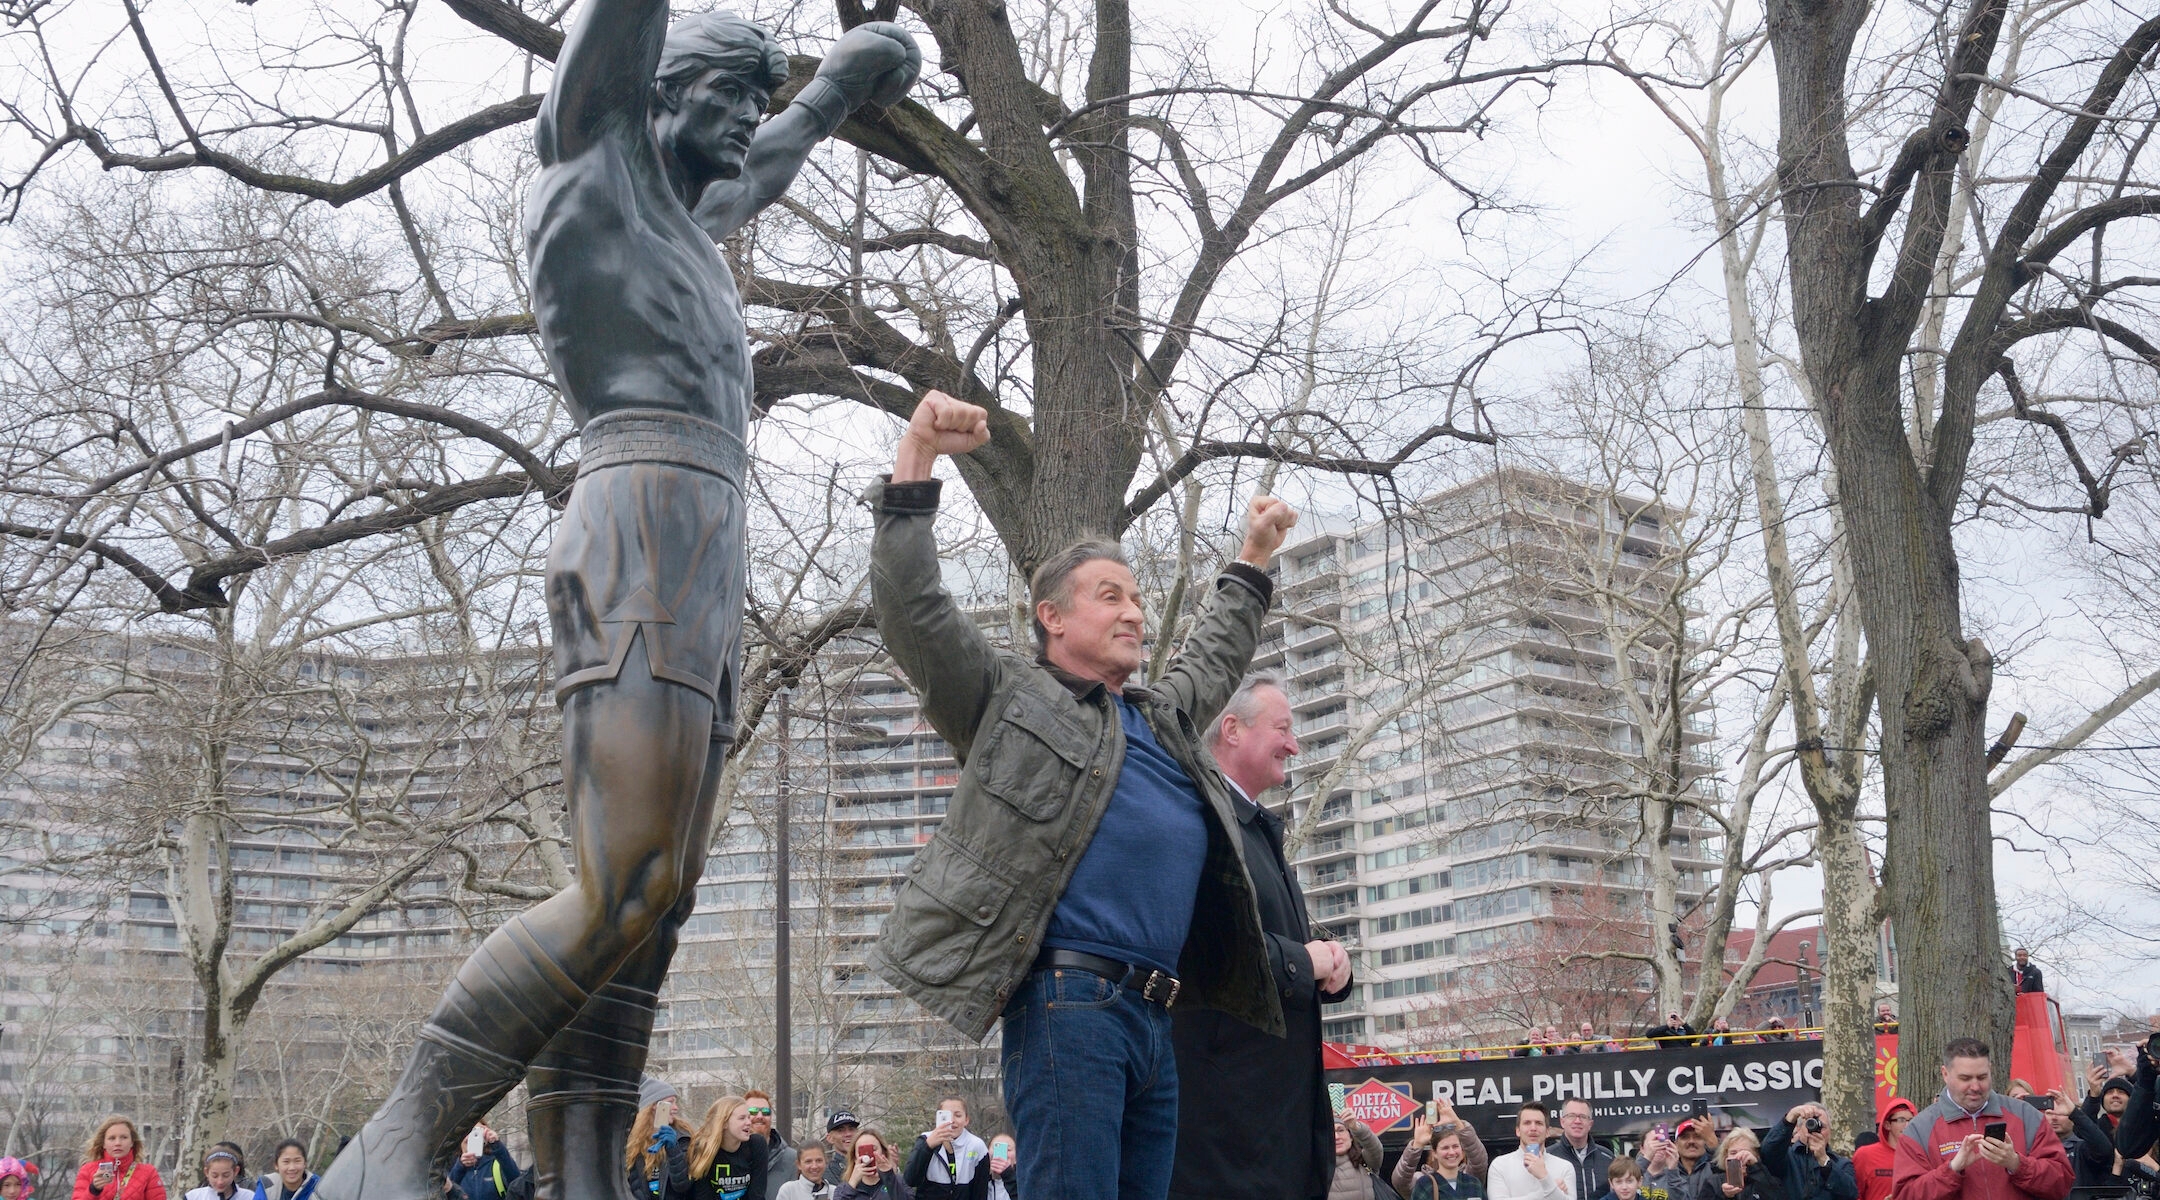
[1468,747]
[268,791]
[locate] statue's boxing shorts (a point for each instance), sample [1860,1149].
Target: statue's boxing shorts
[651,547]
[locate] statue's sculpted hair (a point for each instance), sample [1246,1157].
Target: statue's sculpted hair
[718,41]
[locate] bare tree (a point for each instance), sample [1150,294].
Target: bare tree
[1651,576]
[1894,384]
[1104,189]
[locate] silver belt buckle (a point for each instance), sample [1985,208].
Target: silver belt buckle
[1147,992]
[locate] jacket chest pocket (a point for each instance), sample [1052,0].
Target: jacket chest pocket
[1036,760]
[951,899]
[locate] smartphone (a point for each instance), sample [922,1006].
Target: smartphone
[944,1117]
[1698,1107]
[2044,1103]
[108,1166]
[1432,1111]
[1533,1149]
[1664,1132]
[1996,1129]
[1735,1173]
[997,1153]
[475,1142]
[2100,1059]
[868,1160]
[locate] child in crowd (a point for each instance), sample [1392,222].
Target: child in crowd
[289,1177]
[222,1170]
[17,1178]
[1004,1169]
[1624,1177]
[809,1182]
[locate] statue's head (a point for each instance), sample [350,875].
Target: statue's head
[717,72]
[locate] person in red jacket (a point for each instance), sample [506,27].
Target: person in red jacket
[1946,1153]
[1874,1165]
[115,1170]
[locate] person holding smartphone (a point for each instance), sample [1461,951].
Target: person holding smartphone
[1004,1168]
[1976,1143]
[872,1174]
[1530,1173]
[114,1169]
[1741,1173]
[484,1169]
[1428,1131]
[948,1162]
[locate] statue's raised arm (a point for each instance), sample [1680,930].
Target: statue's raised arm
[644,331]
[603,78]
[874,63]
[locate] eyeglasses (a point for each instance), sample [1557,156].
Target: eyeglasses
[760,1112]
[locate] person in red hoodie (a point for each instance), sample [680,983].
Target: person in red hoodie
[1874,1165]
[115,1170]
[1946,1153]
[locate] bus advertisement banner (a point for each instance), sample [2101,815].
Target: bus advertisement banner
[1630,1092]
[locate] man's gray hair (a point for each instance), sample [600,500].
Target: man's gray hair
[1052,580]
[1245,703]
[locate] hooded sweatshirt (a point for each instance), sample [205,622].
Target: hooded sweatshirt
[1931,1142]
[1875,1165]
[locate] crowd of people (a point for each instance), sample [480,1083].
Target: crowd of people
[732,1154]
[115,1168]
[1972,1144]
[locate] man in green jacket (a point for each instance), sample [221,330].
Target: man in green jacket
[1089,874]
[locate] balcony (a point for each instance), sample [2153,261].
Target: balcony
[1342,870]
[1335,904]
[1320,724]
[1310,663]
[1338,842]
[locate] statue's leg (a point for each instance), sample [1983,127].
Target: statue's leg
[635,750]
[582,1091]
[583,1087]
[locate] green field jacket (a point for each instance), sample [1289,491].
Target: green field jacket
[1040,752]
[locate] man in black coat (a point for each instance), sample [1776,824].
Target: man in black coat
[1253,1115]
[2024,974]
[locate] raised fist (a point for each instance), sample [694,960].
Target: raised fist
[943,425]
[1267,522]
[873,63]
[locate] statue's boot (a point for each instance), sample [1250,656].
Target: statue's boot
[508,999]
[582,1097]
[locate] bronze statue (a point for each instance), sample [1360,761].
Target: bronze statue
[643,327]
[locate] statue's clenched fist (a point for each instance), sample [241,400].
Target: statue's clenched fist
[873,63]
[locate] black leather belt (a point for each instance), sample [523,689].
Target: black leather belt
[1155,987]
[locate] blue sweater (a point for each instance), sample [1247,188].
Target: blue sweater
[1131,897]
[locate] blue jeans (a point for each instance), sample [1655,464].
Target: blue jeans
[1091,1084]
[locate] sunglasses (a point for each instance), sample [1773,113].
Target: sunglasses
[760,1112]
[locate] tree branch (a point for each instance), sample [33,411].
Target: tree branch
[1207,451]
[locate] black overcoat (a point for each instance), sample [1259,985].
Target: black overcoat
[1253,1115]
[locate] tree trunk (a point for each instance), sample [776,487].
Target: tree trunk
[210,1092]
[1931,684]
[1852,925]
[1932,689]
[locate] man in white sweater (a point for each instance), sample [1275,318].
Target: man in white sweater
[1530,1173]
